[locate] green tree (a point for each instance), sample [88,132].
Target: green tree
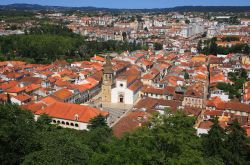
[124,35]
[187,21]
[213,142]
[44,119]
[246,49]
[18,135]
[213,47]
[60,146]
[237,145]
[158,46]
[230,38]
[199,46]
[169,139]
[186,75]
[8,99]
[97,122]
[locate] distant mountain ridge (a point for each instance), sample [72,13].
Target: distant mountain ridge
[36,7]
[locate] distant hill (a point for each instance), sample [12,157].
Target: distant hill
[35,7]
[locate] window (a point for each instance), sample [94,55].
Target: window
[58,122]
[54,121]
[71,124]
[67,123]
[63,122]
[121,85]
[76,125]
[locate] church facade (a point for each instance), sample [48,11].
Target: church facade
[125,89]
[126,92]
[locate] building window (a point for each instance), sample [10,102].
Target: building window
[71,124]
[121,85]
[54,121]
[67,123]
[58,122]
[63,122]
[76,125]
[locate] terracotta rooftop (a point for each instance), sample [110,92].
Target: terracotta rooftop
[62,94]
[34,107]
[32,87]
[15,89]
[150,104]
[22,97]
[69,111]
[130,122]
[48,100]
[205,125]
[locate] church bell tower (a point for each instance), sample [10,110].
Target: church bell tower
[107,80]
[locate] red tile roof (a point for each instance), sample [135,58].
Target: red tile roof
[205,125]
[48,100]
[135,86]
[130,122]
[213,113]
[15,89]
[22,97]
[98,58]
[32,87]
[69,111]
[34,107]
[62,94]
[8,85]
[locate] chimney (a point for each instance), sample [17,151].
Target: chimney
[76,117]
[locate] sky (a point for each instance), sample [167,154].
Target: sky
[132,3]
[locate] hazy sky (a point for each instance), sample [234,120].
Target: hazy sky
[132,3]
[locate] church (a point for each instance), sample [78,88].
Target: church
[125,88]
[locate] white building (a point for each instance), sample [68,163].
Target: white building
[203,127]
[71,115]
[126,91]
[127,87]
[221,94]
[211,32]
[20,99]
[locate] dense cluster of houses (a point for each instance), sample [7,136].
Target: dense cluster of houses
[175,78]
[165,28]
[57,89]
[150,81]
[197,94]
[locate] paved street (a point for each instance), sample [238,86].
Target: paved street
[116,111]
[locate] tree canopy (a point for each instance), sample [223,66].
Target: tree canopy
[50,42]
[166,139]
[210,47]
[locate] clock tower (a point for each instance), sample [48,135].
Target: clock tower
[107,80]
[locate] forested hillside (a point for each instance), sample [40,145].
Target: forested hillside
[50,42]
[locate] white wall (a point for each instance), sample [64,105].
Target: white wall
[201,131]
[222,96]
[15,101]
[81,126]
[128,94]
